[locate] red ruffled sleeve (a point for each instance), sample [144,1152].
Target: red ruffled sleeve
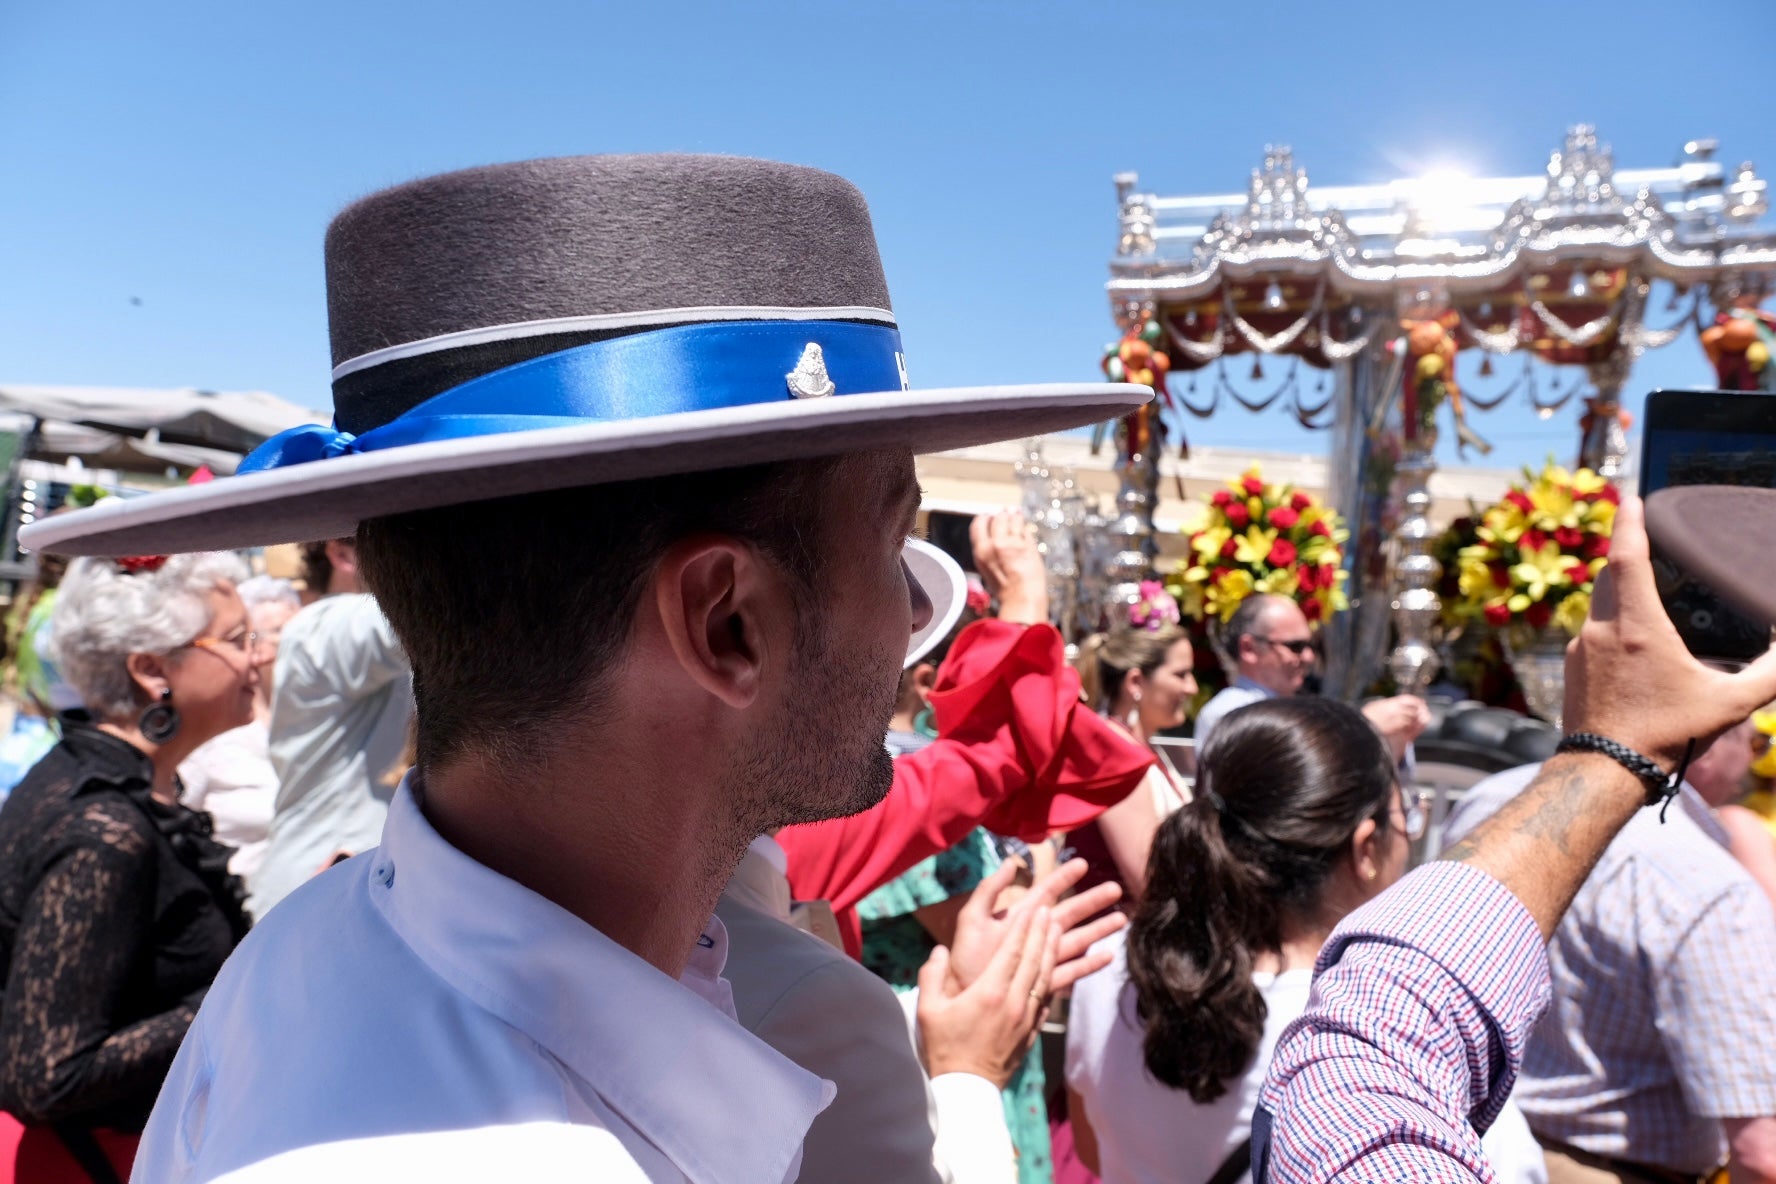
[1020,755]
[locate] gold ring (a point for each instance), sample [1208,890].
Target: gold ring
[1035,994]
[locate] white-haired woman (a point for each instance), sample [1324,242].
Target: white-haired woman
[116,904]
[231,778]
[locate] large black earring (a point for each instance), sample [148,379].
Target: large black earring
[160,721]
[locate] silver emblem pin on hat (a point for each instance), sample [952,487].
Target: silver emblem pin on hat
[809,379]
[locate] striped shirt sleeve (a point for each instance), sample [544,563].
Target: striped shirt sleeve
[1423,1002]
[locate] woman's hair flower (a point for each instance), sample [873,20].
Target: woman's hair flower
[1155,609]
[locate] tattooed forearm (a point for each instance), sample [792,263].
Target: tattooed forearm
[1546,811]
[1544,842]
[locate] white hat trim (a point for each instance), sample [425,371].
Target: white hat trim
[621,320]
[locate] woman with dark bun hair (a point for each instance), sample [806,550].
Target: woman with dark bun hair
[1297,820]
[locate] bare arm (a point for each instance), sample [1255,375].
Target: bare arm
[939,920]
[1751,1150]
[1128,828]
[1085,1140]
[1752,845]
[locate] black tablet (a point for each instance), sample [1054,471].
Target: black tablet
[1708,438]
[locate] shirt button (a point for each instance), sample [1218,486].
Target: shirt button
[385,875]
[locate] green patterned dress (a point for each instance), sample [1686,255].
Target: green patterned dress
[895,946]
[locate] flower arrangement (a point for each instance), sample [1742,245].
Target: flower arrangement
[1538,551]
[1264,538]
[1447,550]
[1155,609]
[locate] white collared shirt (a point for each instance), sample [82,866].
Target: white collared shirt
[1240,693]
[826,1012]
[414,1015]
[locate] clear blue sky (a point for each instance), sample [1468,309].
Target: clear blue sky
[189,155]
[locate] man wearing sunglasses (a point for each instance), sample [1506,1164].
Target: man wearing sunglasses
[1272,646]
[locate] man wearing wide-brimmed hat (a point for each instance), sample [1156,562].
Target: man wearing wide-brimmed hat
[627,446]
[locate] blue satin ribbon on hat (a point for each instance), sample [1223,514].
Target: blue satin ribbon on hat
[701,367]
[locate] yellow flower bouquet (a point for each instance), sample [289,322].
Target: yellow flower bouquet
[1537,552]
[1266,538]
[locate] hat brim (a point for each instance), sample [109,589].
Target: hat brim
[328,498]
[945,587]
[1721,535]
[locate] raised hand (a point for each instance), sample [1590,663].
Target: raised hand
[1011,566]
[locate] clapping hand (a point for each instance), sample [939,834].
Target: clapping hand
[981,925]
[988,1027]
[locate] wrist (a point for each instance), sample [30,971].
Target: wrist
[966,1064]
[1656,782]
[1017,608]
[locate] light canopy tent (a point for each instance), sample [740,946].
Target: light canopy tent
[130,431]
[144,431]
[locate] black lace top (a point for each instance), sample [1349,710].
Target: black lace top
[116,911]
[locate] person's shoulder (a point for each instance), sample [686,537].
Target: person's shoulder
[323,1028]
[1681,869]
[775,969]
[326,613]
[105,823]
[1229,695]
[1484,798]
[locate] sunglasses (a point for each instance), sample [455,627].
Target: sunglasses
[1298,648]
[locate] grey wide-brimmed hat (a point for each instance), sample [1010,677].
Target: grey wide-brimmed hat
[574,321]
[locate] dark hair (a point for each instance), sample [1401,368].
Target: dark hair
[317,569]
[515,611]
[1244,622]
[1281,787]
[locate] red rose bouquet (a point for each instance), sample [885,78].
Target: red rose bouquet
[1264,538]
[1537,552]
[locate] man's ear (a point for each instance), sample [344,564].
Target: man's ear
[924,677]
[726,613]
[343,555]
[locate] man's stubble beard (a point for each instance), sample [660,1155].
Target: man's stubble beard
[825,757]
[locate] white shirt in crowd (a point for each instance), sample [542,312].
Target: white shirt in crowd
[1150,1133]
[343,695]
[414,1015]
[231,779]
[818,1006]
[1240,693]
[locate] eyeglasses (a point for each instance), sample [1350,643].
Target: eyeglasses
[1416,806]
[1298,648]
[244,642]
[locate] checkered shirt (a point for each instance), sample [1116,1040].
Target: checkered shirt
[1423,1001]
[1664,1013]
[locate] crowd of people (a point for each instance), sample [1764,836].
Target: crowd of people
[647,807]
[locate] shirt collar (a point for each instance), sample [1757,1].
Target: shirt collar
[1245,683]
[104,760]
[761,881]
[719,1102]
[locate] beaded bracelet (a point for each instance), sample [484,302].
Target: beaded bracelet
[1660,786]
